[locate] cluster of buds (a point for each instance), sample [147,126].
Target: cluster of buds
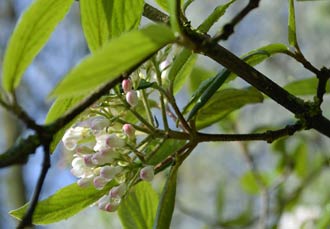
[102,152]
[130,94]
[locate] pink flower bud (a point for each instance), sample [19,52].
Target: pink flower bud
[99,182]
[132,98]
[147,173]
[129,130]
[127,85]
[109,172]
[118,191]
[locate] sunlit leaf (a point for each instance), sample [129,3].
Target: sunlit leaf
[292,37]
[58,109]
[181,68]
[30,35]
[217,13]
[167,201]
[65,203]
[223,102]
[113,59]
[138,208]
[104,19]
[174,12]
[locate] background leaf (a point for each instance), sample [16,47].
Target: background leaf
[214,17]
[104,19]
[225,101]
[65,203]
[167,200]
[30,35]
[116,57]
[138,209]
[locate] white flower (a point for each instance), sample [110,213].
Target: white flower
[103,157]
[72,136]
[105,142]
[109,172]
[98,122]
[147,173]
[79,168]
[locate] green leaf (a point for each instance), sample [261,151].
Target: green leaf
[300,155]
[104,19]
[174,11]
[292,37]
[224,102]
[164,149]
[113,59]
[58,109]
[65,203]
[197,76]
[218,12]
[30,35]
[167,200]
[164,4]
[261,54]
[304,86]
[138,208]
[181,68]
[250,183]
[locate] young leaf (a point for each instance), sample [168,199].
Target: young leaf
[261,54]
[104,19]
[214,17]
[65,203]
[167,200]
[292,37]
[58,109]
[174,10]
[251,185]
[181,69]
[113,59]
[224,102]
[30,35]
[138,209]
[197,76]
[304,87]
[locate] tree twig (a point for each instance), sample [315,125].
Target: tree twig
[228,29]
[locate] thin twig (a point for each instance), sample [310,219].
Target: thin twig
[228,29]
[268,136]
[27,219]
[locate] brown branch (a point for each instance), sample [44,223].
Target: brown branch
[228,29]
[202,44]
[268,136]
[27,219]
[323,77]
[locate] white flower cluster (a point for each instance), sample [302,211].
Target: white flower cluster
[101,153]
